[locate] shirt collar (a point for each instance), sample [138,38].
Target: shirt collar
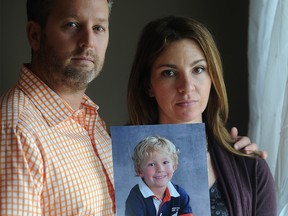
[147,192]
[53,108]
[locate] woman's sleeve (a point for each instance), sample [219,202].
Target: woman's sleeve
[266,190]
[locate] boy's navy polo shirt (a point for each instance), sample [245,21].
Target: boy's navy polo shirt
[142,202]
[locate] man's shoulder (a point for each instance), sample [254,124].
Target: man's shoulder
[11,99]
[13,104]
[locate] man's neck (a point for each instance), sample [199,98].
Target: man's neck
[73,99]
[72,96]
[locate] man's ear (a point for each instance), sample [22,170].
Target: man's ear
[33,31]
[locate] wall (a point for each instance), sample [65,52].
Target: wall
[227,19]
[14,46]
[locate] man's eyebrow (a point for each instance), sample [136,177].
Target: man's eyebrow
[76,16]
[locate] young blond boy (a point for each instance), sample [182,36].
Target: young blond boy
[155,160]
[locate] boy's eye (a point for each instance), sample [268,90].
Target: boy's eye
[168,73]
[151,164]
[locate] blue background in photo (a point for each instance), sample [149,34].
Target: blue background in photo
[191,173]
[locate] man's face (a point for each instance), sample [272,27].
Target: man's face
[73,44]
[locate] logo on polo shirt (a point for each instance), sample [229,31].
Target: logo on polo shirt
[174,211]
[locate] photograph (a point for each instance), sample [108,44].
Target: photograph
[187,171]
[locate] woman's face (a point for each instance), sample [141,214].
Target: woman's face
[180,83]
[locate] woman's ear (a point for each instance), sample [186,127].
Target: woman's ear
[150,91]
[33,31]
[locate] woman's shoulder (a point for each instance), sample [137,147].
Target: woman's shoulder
[262,181]
[258,165]
[252,164]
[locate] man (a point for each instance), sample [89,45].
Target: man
[56,155]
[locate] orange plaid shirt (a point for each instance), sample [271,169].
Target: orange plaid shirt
[54,161]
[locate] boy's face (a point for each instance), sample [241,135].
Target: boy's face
[157,170]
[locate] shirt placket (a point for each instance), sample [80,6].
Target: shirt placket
[79,116]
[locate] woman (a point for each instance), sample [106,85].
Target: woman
[177,77]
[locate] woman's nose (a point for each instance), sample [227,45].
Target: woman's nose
[186,84]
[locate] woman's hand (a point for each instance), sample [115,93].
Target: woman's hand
[243,143]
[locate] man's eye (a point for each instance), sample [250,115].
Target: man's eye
[72,24]
[168,73]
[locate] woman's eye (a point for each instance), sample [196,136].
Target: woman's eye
[199,70]
[99,28]
[168,73]
[166,162]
